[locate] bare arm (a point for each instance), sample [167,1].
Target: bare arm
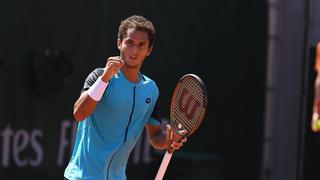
[159,138]
[85,105]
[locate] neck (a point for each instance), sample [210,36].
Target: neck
[132,74]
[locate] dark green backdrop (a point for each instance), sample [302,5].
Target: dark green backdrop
[47,48]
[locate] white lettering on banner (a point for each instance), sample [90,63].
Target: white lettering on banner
[37,148]
[23,148]
[20,143]
[21,139]
[6,134]
[64,142]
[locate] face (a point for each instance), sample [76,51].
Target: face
[134,48]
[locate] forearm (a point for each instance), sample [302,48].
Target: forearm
[84,107]
[159,137]
[89,99]
[159,141]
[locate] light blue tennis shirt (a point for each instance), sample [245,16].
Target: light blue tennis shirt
[105,139]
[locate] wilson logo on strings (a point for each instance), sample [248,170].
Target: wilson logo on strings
[188,104]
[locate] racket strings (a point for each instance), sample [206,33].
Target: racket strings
[194,89]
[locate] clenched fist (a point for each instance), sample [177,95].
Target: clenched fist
[113,65]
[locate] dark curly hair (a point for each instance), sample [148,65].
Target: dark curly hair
[139,23]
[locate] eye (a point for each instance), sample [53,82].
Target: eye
[143,45]
[129,42]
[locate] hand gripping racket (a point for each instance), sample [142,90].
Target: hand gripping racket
[188,107]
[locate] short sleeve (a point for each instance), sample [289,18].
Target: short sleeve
[155,118]
[92,77]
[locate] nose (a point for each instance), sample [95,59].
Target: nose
[135,50]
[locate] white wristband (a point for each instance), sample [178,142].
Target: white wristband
[97,89]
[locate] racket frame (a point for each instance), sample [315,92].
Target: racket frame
[167,157]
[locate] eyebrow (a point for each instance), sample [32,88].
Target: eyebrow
[140,42]
[144,42]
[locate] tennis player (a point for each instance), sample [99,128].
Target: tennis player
[116,103]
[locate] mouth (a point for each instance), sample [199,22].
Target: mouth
[133,58]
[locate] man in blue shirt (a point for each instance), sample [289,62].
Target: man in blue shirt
[115,104]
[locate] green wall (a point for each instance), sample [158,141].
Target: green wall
[222,41]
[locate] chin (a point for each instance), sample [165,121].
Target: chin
[132,66]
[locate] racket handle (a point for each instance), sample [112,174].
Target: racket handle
[163,166]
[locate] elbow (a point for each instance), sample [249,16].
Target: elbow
[78,115]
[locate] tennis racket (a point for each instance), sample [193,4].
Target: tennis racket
[187,110]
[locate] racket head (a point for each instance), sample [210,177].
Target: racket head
[188,104]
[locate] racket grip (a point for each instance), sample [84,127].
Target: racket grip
[163,167]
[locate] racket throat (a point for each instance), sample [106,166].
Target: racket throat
[170,148]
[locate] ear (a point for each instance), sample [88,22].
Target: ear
[119,43]
[150,49]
